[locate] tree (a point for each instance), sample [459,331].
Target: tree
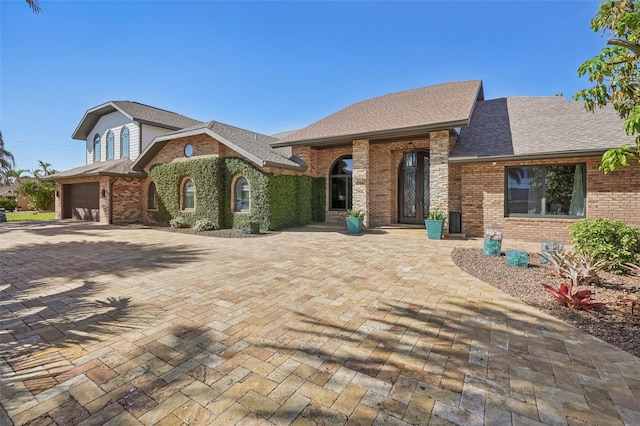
[34,5]
[7,161]
[44,169]
[615,74]
[14,175]
[40,192]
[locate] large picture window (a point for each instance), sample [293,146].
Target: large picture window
[96,148]
[549,190]
[188,195]
[110,145]
[340,184]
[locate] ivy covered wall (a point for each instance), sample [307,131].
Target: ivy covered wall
[276,201]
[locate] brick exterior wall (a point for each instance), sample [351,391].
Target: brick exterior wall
[614,196]
[127,202]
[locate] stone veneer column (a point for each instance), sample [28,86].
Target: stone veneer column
[105,202]
[439,171]
[360,176]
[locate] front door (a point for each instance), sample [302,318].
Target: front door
[413,192]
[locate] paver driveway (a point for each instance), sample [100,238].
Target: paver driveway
[112,325]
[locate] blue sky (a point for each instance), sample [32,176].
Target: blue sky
[267,66]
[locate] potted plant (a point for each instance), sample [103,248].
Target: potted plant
[435,224]
[355,219]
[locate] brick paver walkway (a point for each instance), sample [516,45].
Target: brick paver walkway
[108,325]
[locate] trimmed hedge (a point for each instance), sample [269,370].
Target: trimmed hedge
[276,201]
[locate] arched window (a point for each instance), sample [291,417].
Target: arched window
[340,184]
[152,201]
[242,195]
[188,195]
[110,145]
[124,142]
[96,148]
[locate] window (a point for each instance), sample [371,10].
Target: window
[110,145]
[188,195]
[550,190]
[152,203]
[96,148]
[242,195]
[188,150]
[340,185]
[124,142]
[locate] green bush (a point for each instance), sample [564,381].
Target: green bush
[8,204]
[276,201]
[318,199]
[204,225]
[611,240]
[179,222]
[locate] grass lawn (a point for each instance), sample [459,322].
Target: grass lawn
[24,216]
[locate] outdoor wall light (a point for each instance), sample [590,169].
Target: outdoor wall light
[57,194]
[104,192]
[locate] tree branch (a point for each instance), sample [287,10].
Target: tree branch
[634,47]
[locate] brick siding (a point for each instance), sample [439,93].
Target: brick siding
[614,196]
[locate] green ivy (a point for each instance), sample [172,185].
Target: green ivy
[318,199]
[206,175]
[276,201]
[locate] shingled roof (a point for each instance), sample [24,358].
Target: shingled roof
[524,126]
[442,106]
[134,111]
[119,167]
[254,146]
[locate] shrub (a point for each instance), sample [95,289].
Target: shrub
[355,213]
[578,267]
[204,225]
[7,203]
[179,222]
[252,228]
[582,299]
[610,240]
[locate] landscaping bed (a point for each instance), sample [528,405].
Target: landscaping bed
[219,233]
[615,323]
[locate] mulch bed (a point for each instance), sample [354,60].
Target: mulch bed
[218,233]
[615,324]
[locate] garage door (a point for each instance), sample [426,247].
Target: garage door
[82,201]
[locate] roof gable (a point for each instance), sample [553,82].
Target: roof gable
[530,126]
[135,112]
[440,106]
[254,146]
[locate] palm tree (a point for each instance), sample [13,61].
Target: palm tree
[7,161]
[14,175]
[44,169]
[34,5]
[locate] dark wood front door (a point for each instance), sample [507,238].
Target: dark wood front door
[413,191]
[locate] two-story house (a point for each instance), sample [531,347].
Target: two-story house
[528,165]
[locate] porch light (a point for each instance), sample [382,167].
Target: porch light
[410,147]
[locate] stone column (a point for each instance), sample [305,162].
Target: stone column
[105,201]
[59,201]
[439,172]
[360,177]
